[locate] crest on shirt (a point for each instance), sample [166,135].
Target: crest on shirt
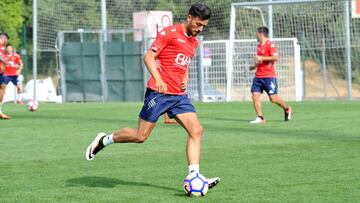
[182,60]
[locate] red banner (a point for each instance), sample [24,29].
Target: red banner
[356,8]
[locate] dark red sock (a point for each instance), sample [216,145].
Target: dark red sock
[262,117]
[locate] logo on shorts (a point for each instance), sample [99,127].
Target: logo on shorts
[272,85]
[151,103]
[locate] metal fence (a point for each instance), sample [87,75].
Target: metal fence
[328,35]
[222,84]
[329,38]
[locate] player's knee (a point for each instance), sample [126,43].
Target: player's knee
[255,97]
[197,131]
[273,99]
[141,137]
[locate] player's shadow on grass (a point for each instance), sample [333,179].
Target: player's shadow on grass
[103,182]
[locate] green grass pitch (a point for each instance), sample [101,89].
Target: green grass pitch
[313,158]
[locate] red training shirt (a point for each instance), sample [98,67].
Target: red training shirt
[266,69]
[13,59]
[175,50]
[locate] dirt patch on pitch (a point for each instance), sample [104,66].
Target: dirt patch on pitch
[336,86]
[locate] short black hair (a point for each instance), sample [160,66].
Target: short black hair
[200,10]
[9,44]
[263,30]
[4,34]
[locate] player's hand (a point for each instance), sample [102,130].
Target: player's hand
[252,67]
[18,72]
[258,59]
[161,86]
[184,84]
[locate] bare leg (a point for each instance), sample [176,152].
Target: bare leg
[277,100]
[135,135]
[257,103]
[190,122]
[19,89]
[2,92]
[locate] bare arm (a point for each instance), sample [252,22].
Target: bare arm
[3,60]
[185,82]
[265,58]
[20,68]
[150,63]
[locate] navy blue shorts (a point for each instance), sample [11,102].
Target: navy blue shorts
[269,85]
[13,79]
[156,104]
[2,79]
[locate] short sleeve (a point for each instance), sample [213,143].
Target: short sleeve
[18,58]
[163,38]
[273,50]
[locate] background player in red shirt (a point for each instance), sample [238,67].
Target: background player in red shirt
[168,61]
[265,77]
[13,70]
[3,41]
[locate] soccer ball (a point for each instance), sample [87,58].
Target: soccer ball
[32,105]
[196,184]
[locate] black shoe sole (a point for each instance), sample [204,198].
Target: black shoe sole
[213,184]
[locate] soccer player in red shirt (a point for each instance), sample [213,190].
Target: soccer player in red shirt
[168,61]
[13,70]
[265,77]
[3,41]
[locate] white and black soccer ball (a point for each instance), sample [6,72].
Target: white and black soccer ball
[196,185]
[32,105]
